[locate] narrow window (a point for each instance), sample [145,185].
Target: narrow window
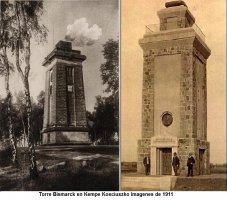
[51,81]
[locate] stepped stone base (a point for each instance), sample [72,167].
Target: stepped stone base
[65,137]
[140,182]
[150,183]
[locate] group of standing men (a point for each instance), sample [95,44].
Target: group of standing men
[175,164]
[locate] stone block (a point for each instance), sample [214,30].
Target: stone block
[63,137]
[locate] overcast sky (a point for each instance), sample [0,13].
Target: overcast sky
[57,16]
[211,18]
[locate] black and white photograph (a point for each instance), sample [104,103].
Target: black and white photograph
[59,95]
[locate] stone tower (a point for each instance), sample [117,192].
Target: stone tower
[64,109]
[174,97]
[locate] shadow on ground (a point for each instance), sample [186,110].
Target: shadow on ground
[65,170]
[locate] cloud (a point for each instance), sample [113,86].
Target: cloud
[81,34]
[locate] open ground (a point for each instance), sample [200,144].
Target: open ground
[65,168]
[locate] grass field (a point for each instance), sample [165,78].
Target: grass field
[63,170]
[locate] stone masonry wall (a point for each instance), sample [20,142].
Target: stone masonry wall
[148,96]
[187,103]
[185,147]
[50,105]
[188,98]
[147,109]
[207,161]
[182,47]
[58,99]
[192,145]
[201,91]
[143,150]
[61,94]
[52,100]
[80,108]
[46,102]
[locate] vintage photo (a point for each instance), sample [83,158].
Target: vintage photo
[173,95]
[59,95]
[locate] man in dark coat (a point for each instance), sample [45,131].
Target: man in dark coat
[147,164]
[175,163]
[190,164]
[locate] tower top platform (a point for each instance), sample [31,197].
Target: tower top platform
[63,50]
[175,3]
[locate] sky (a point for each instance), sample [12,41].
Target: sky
[211,18]
[57,16]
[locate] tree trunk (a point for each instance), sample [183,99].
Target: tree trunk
[24,76]
[24,132]
[9,101]
[23,37]
[31,147]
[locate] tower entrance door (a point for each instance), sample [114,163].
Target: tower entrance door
[164,162]
[167,161]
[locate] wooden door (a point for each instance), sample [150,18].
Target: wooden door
[166,161]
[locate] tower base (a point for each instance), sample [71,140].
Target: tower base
[160,148]
[68,136]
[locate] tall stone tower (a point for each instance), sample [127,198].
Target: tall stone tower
[174,97]
[64,109]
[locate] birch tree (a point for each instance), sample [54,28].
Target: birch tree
[27,25]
